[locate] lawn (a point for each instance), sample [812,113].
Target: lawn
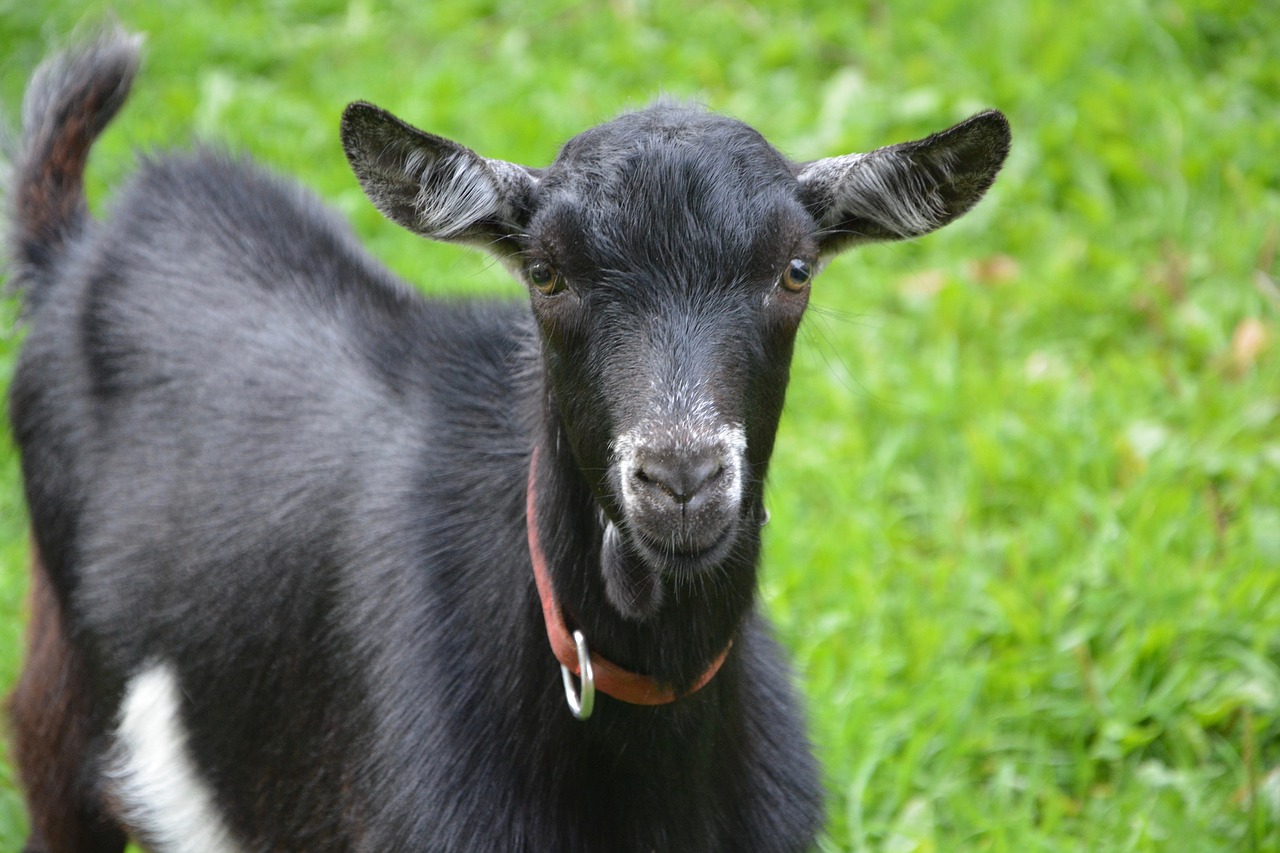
[1025,548]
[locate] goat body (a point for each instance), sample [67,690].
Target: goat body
[283,596]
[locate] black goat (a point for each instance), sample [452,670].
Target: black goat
[292,520]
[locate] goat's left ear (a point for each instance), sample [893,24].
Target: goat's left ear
[904,190]
[434,186]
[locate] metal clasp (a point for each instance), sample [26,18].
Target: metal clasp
[580,703]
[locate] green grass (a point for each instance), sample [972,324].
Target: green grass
[1026,500]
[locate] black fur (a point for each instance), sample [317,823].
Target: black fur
[254,455]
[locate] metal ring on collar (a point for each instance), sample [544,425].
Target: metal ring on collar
[581,701]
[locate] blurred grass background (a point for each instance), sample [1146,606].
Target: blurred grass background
[1026,501]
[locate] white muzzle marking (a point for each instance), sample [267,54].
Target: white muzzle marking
[731,437]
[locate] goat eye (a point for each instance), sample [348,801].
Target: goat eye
[544,277]
[797,274]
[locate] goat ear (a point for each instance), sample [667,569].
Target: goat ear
[904,190]
[434,186]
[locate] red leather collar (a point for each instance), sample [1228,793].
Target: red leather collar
[614,680]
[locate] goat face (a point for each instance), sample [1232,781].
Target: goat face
[668,255]
[656,254]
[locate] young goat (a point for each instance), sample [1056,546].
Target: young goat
[309,546]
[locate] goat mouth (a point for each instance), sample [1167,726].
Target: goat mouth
[676,558]
[638,571]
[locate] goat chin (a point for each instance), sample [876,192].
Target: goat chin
[637,570]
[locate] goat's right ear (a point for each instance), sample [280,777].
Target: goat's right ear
[434,186]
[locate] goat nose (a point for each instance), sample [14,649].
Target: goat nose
[682,476]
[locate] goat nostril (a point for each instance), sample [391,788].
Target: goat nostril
[681,480]
[705,471]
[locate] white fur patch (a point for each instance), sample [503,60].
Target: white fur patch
[151,774]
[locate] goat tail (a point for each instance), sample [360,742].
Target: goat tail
[71,98]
